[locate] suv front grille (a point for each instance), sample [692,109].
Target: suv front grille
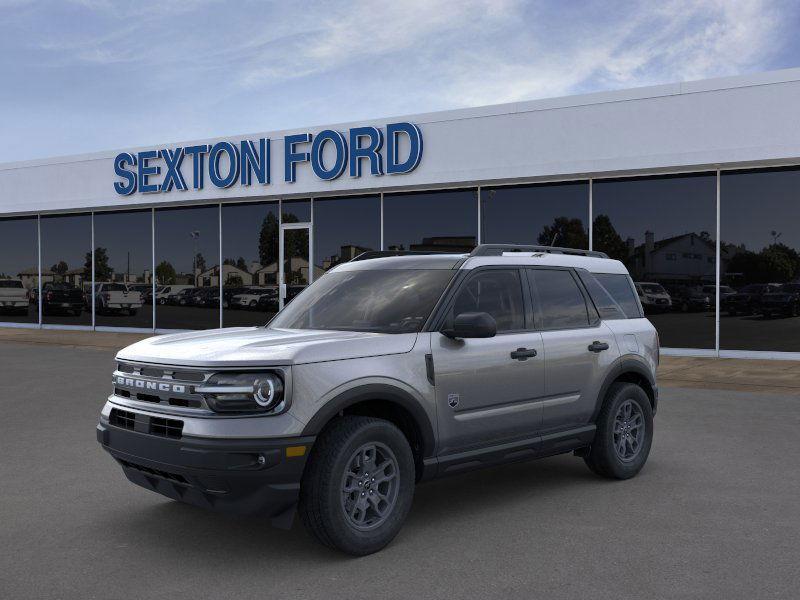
[171,428]
[160,385]
[157,472]
[161,427]
[122,418]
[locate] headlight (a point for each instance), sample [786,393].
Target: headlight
[244,392]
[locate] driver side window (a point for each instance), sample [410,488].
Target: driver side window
[494,291]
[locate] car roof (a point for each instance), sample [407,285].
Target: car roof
[483,256]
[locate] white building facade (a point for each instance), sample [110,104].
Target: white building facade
[692,185]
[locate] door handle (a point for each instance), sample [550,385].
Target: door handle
[596,346]
[523,353]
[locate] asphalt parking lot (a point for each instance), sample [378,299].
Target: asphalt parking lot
[713,515]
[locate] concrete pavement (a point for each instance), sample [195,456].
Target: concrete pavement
[712,515]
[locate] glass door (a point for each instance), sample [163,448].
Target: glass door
[294,273]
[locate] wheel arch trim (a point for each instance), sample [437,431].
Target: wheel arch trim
[375,392]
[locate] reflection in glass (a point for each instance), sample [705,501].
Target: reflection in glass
[67,269]
[663,229]
[123,266]
[344,228]
[431,221]
[296,211]
[555,214]
[187,256]
[760,260]
[19,270]
[250,263]
[295,262]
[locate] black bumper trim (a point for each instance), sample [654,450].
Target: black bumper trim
[249,477]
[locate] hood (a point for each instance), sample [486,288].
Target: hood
[258,346]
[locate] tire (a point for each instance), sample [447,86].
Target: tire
[322,504]
[253,303]
[603,457]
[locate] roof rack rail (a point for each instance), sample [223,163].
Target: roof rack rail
[384,253]
[499,249]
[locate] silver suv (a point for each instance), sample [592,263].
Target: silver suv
[387,371]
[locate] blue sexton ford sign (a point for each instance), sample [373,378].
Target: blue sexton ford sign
[330,153]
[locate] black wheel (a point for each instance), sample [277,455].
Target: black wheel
[358,485]
[253,303]
[624,433]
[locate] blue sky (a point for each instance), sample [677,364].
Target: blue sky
[85,75]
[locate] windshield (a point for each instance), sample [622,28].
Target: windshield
[383,301]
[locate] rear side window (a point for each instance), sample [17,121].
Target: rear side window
[497,292]
[12,283]
[559,299]
[606,305]
[619,287]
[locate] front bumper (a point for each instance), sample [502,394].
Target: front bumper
[240,476]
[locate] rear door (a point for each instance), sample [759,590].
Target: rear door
[578,347]
[489,390]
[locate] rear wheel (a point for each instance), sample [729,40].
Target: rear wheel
[358,486]
[624,433]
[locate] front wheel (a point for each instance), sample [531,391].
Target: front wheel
[358,486]
[624,433]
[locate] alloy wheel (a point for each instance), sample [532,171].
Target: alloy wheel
[629,431]
[369,486]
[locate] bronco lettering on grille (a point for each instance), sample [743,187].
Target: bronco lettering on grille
[150,385]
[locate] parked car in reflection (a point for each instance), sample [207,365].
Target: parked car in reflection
[204,297]
[14,298]
[747,301]
[115,298]
[691,299]
[653,296]
[166,291]
[724,292]
[145,289]
[785,301]
[228,293]
[268,303]
[250,297]
[61,298]
[181,297]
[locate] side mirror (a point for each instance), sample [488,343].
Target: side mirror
[472,325]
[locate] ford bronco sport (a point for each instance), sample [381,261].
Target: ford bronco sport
[387,371]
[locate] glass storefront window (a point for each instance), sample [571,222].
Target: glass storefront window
[345,228]
[760,260]
[19,270]
[249,263]
[187,269]
[67,269]
[663,229]
[123,266]
[444,221]
[296,211]
[555,214]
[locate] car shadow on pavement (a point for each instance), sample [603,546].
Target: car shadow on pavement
[173,528]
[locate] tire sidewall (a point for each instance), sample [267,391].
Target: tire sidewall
[346,537]
[617,467]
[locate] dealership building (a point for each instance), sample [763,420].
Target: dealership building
[695,186]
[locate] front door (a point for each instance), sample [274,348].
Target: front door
[295,272]
[489,389]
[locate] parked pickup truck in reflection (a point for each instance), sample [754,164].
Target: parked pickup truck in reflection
[13,296]
[115,298]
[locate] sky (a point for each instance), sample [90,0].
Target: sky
[88,75]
